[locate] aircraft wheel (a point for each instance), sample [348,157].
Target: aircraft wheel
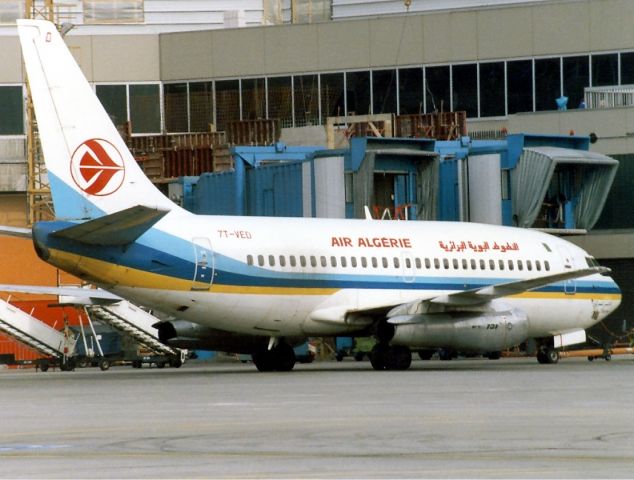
[548,356]
[283,357]
[608,357]
[175,362]
[398,358]
[378,356]
[263,361]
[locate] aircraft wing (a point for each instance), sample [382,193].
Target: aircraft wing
[90,294]
[482,295]
[6,231]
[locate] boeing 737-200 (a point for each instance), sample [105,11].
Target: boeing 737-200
[257,285]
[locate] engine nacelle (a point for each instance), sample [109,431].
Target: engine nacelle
[192,336]
[477,332]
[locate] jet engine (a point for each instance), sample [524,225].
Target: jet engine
[477,332]
[192,336]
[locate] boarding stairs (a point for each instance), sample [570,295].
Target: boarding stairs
[35,333]
[137,323]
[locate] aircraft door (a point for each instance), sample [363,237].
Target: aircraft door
[204,264]
[570,286]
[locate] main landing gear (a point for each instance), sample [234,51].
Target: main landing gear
[547,355]
[279,358]
[388,357]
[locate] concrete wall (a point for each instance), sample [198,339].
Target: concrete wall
[566,27]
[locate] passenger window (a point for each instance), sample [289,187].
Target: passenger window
[343,262]
[353,262]
[529,265]
[465,264]
[282,261]
[511,265]
[333,261]
[313,261]
[302,260]
[384,261]
[520,265]
[249,259]
[492,264]
[324,262]
[482,264]
[455,263]
[436,263]
[538,265]
[397,264]
[501,264]
[547,265]
[427,263]
[473,264]
[293,261]
[445,263]
[364,262]
[271,260]
[418,263]
[408,262]
[261,260]
[375,262]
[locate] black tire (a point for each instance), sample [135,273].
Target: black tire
[175,362]
[359,356]
[283,357]
[494,355]
[104,364]
[608,357]
[161,364]
[137,363]
[263,361]
[44,365]
[398,358]
[552,356]
[591,359]
[378,356]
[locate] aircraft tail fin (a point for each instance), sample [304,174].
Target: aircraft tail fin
[91,171]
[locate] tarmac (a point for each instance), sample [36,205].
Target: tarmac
[510,418]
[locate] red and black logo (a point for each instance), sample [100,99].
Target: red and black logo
[97,167]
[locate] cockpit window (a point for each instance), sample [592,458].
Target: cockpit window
[547,247]
[592,262]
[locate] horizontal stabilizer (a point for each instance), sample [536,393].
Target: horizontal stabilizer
[120,228]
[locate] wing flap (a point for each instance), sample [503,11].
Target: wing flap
[119,228]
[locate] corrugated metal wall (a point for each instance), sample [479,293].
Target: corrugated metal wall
[276,190]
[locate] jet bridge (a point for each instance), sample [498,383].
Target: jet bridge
[37,334]
[137,323]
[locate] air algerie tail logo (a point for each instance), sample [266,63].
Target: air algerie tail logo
[97,167]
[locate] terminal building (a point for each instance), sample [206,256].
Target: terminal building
[345,83]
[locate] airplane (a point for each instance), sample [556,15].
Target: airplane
[260,285]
